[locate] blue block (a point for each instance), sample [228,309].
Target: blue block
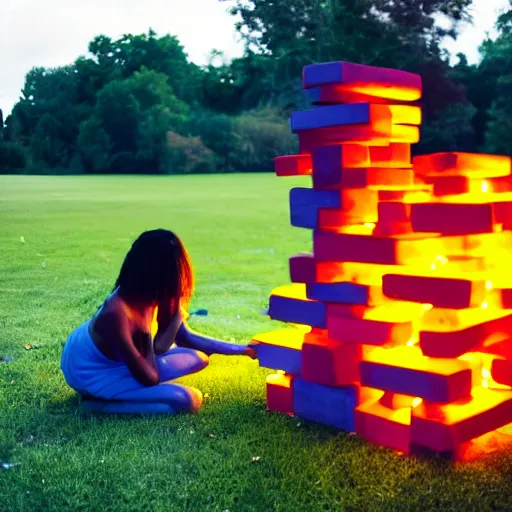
[280,358]
[296,311]
[320,74]
[305,203]
[324,404]
[347,293]
[334,115]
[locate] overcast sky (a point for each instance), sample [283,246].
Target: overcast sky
[55,32]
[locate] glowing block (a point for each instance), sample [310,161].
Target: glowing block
[444,427]
[452,218]
[394,211]
[353,113]
[397,401]
[347,292]
[280,350]
[358,78]
[293,165]
[304,268]
[305,203]
[447,341]
[359,206]
[324,404]
[477,245]
[397,250]
[381,425]
[390,324]
[329,161]
[374,177]
[501,371]
[329,362]
[336,94]
[337,115]
[386,229]
[280,393]
[406,371]
[290,304]
[462,164]
[381,133]
[394,155]
[442,292]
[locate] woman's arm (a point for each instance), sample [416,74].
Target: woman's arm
[141,361]
[185,337]
[167,329]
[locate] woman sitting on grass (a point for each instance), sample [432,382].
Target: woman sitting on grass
[112,356]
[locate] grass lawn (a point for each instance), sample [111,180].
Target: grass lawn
[76,230]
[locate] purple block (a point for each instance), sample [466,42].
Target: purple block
[346,293]
[280,358]
[297,311]
[305,203]
[320,74]
[430,386]
[335,115]
[324,404]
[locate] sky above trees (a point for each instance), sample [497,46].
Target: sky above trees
[55,32]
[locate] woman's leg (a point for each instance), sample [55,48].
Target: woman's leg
[179,362]
[175,363]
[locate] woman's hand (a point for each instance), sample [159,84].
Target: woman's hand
[250,350]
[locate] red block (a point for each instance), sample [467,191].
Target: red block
[445,341]
[361,79]
[462,164]
[329,362]
[445,427]
[406,371]
[442,292]
[397,250]
[385,229]
[383,426]
[395,155]
[453,218]
[501,371]
[293,165]
[394,211]
[280,393]
[386,325]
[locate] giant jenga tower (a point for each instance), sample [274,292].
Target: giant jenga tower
[404,306]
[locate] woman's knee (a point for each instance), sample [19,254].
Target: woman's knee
[202,359]
[186,399]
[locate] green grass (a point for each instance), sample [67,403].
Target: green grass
[76,232]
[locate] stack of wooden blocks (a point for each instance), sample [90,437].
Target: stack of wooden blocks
[403,311]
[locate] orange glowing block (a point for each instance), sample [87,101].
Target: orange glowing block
[397,250]
[359,205]
[477,245]
[329,362]
[442,292]
[293,165]
[335,95]
[446,340]
[394,211]
[444,427]
[501,371]
[384,426]
[462,164]
[395,155]
[361,79]
[406,371]
[381,133]
[405,114]
[386,325]
[386,229]
[280,393]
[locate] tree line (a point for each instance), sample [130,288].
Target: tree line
[139,105]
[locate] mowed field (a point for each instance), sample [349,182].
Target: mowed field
[62,241]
